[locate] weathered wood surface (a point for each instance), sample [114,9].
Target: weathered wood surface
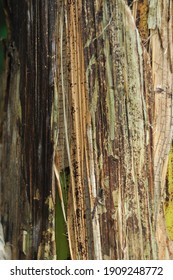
[92,92]
[111,133]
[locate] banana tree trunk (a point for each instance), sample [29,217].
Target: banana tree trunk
[86,130]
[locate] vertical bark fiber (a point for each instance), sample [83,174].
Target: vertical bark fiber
[26,143]
[108,131]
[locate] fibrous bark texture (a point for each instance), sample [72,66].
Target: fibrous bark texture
[87,111]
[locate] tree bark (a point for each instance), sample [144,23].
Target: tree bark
[87,129]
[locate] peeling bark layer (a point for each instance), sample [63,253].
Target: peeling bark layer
[108,131]
[120,125]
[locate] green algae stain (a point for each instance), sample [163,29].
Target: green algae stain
[168,204]
[62,245]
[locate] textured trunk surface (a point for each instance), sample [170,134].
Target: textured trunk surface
[87,96]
